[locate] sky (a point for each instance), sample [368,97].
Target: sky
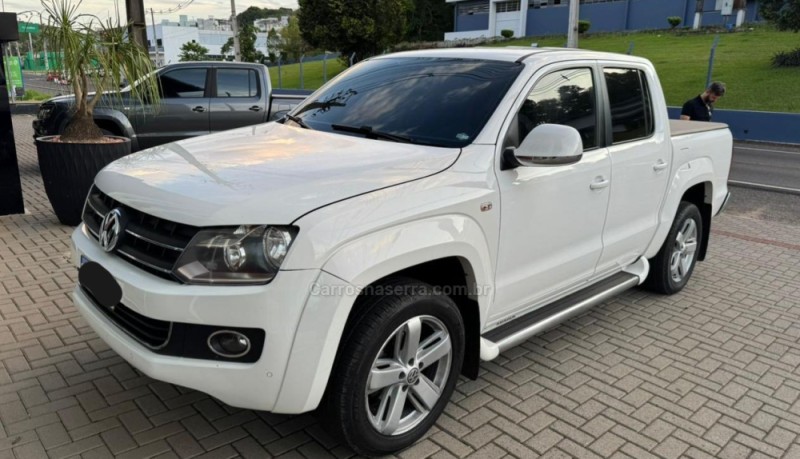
[197,9]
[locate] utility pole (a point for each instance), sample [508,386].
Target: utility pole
[155,36]
[138,22]
[237,53]
[30,45]
[572,33]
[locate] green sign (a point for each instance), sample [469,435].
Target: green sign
[13,72]
[28,27]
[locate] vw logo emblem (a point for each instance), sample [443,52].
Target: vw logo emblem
[413,376]
[111,230]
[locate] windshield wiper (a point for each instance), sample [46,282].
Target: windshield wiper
[371,133]
[297,120]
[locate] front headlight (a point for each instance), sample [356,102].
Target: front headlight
[239,255]
[44,111]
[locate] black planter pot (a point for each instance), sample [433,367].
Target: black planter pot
[68,171]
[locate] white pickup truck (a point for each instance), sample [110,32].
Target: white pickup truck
[417,215]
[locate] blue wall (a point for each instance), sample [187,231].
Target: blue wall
[760,126]
[547,21]
[649,14]
[614,16]
[605,17]
[467,22]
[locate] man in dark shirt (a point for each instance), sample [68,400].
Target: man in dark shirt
[702,107]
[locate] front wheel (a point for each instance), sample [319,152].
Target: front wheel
[396,370]
[672,267]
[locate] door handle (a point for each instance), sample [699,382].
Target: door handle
[600,183]
[660,165]
[255,108]
[199,109]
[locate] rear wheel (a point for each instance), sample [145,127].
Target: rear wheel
[397,368]
[672,267]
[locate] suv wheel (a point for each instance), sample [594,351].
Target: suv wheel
[672,267]
[396,369]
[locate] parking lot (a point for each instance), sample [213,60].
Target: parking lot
[711,372]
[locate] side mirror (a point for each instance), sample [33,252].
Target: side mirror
[546,145]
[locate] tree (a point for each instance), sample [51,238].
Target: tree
[428,20]
[292,44]
[253,13]
[97,56]
[247,45]
[193,51]
[364,27]
[785,14]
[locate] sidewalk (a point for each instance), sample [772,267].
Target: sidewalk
[711,372]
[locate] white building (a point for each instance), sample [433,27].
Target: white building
[169,37]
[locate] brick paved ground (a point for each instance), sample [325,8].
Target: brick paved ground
[710,372]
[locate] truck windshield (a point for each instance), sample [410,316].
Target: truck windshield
[430,101]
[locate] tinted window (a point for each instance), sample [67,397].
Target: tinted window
[563,97]
[183,83]
[435,101]
[629,101]
[237,83]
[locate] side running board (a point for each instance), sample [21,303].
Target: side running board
[520,329]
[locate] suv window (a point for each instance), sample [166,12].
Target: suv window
[630,104]
[183,83]
[431,101]
[563,97]
[237,83]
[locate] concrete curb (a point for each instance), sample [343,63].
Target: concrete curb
[25,108]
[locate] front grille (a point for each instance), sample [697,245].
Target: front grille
[153,333]
[150,243]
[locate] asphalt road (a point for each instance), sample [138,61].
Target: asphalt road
[766,166]
[38,82]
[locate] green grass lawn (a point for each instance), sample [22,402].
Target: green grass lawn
[681,59]
[743,62]
[312,74]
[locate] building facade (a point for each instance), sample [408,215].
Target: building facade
[487,18]
[165,39]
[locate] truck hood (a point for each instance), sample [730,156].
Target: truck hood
[264,174]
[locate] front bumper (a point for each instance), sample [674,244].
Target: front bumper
[276,308]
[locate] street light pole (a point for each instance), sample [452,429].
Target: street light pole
[236,51]
[572,33]
[155,36]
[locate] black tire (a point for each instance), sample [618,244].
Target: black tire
[347,407]
[662,277]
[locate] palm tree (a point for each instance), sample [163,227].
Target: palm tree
[96,54]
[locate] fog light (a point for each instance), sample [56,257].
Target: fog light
[229,344]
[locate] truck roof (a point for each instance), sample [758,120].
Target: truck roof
[516,54]
[213,64]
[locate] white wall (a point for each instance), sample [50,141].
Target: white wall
[465,35]
[508,21]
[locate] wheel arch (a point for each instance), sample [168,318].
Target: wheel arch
[692,183]
[701,195]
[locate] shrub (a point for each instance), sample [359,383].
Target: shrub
[674,21]
[787,59]
[507,33]
[30,94]
[583,26]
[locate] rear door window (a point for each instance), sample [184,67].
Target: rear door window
[237,83]
[629,103]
